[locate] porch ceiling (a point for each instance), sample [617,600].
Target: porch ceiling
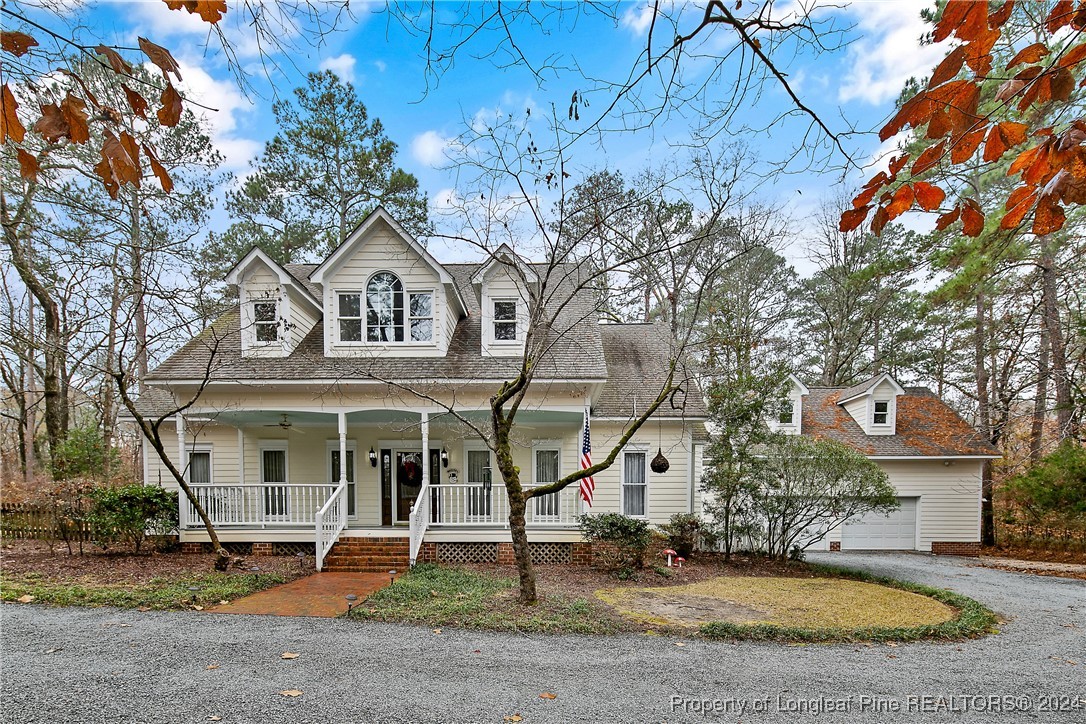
[257,418]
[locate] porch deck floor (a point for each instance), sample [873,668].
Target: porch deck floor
[320,595]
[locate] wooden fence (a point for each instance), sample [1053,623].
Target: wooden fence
[27,520]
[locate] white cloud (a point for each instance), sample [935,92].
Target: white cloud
[431,149]
[889,53]
[638,18]
[381,66]
[228,103]
[341,65]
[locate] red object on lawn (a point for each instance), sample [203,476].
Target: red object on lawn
[669,553]
[680,560]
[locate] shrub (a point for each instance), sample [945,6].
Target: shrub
[125,514]
[624,540]
[685,530]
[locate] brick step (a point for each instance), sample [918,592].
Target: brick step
[365,561]
[367,569]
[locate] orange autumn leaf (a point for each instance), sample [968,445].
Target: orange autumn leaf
[972,218]
[10,125]
[902,202]
[929,159]
[1048,218]
[158,169]
[1073,56]
[949,67]
[210,11]
[948,218]
[1029,54]
[116,62]
[160,57]
[28,165]
[74,111]
[1018,205]
[851,219]
[170,112]
[1061,15]
[16,43]
[928,196]
[879,220]
[967,146]
[1000,15]
[136,102]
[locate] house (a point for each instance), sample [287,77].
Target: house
[338,407]
[933,458]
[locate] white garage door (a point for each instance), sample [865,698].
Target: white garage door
[873,531]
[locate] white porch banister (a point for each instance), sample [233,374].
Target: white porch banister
[255,505]
[419,518]
[488,506]
[330,522]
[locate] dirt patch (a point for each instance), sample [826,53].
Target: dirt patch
[801,602]
[667,608]
[52,562]
[1037,568]
[1026,553]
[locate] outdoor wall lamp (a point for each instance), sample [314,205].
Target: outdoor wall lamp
[373,458]
[444,458]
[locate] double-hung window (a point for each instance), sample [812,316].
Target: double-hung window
[882,412]
[635,487]
[350,317]
[787,413]
[266,321]
[421,316]
[505,320]
[546,471]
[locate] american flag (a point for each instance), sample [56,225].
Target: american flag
[588,484]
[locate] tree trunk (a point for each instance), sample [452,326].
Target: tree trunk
[30,421]
[987,516]
[1040,397]
[139,295]
[517,507]
[1057,346]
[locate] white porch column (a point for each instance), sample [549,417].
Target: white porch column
[241,456]
[182,465]
[342,416]
[425,448]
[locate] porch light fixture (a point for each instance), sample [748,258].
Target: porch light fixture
[444,457]
[351,598]
[373,458]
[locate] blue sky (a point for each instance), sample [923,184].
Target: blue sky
[851,87]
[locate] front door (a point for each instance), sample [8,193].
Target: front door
[273,469]
[408,482]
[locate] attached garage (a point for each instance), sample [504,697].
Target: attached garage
[896,531]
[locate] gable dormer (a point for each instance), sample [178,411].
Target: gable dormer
[276,310]
[505,302]
[873,404]
[384,293]
[789,417]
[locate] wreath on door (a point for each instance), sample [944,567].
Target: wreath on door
[413,471]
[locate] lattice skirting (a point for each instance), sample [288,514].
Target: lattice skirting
[236,548]
[292,549]
[551,553]
[467,552]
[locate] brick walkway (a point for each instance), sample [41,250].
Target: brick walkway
[321,595]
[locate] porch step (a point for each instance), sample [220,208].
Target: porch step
[361,555]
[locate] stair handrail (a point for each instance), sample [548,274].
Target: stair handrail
[335,510]
[419,521]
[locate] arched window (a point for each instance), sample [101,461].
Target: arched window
[384,308]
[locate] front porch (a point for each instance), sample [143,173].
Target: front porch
[288,475]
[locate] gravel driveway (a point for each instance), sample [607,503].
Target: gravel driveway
[106,665]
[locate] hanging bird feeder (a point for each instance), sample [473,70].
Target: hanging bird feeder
[659,463]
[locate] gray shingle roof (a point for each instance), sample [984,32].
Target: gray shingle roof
[859,388]
[926,426]
[574,348]
[637,356]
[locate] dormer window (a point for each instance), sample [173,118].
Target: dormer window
[266,321]
[882,413]
[505,320]
[421,316]
[385,318]
[384,308]
[350,317]
[787,412]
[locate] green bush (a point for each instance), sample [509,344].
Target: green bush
[619,541]
[125,514]
[683,532]
[1054,490]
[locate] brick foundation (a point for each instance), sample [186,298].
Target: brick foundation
[190,547]
[835,546]
[581,555]
[263,549]
[505,555]
[955,548]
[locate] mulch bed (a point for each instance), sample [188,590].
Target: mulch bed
[1034,554]
[52,562]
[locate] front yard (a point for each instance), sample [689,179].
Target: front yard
[39,572]
[747,599]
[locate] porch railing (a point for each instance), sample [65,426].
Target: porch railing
[488,505]
[287,505]
[419,520]
[330,521]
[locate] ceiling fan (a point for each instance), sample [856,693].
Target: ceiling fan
[285,424]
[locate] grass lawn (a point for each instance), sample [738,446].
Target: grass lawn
[156,593]
[437,596]
[806,604]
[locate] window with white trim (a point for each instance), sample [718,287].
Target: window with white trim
[384,308]
[881,414]
[266,321]
[350,317]
[546,471]
[787,412]
[635,484]
[200,466]
[420,316]
[479,477]
[505,320]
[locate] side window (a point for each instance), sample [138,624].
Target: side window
[266,321]
[421,316]
[634,485]
[546,471]
[200,467]
[505,320]
[882,412]
[788,412]
[350,317]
